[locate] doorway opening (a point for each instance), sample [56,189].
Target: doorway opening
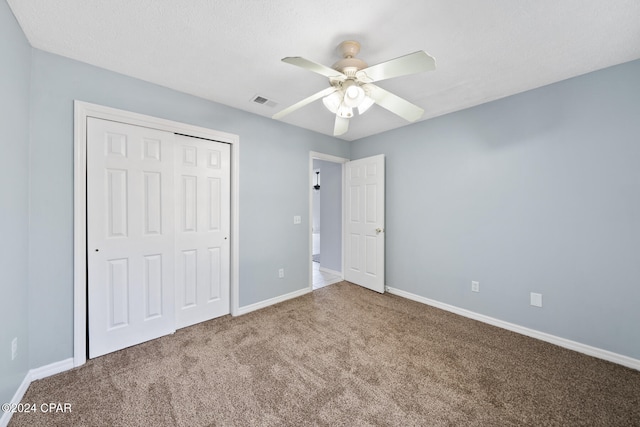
[326,232]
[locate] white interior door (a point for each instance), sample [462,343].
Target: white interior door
[364,223]
[202,176]
[130,235]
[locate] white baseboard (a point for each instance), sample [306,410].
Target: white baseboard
[32,375]
[553,339]
[271,301]
[51,369]
[17,398]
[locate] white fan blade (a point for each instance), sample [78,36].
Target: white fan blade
[394,103]
[412,63]
[309,100]
[341,127]
[315,67]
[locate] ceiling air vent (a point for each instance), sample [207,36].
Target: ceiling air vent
[264,101]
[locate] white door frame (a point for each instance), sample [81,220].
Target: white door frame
[82,110]
[329,158]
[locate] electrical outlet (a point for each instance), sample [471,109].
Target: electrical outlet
[475,286]
[14,348]
[297,219]
[536,299]
[281,273]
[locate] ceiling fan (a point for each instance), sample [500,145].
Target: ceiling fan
[351,84]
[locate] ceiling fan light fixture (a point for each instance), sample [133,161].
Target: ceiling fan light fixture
[333,101]
[345,111]
[351,79]
[365,105]
[353,96]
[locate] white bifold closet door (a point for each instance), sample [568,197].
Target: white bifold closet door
[157,233]
[202,230]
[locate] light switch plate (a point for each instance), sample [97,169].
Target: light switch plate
[536,299]
[297,219]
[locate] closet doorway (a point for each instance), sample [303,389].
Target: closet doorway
[154,304]
[158,208]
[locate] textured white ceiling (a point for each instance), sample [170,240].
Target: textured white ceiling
[228,51]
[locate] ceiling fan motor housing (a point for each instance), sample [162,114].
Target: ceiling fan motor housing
[349,66]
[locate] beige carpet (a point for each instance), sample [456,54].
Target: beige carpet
[346,356]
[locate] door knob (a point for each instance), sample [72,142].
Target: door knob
[379,230]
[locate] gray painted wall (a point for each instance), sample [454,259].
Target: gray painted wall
[330,214]
[274,167]
[14,191]
[538,192]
